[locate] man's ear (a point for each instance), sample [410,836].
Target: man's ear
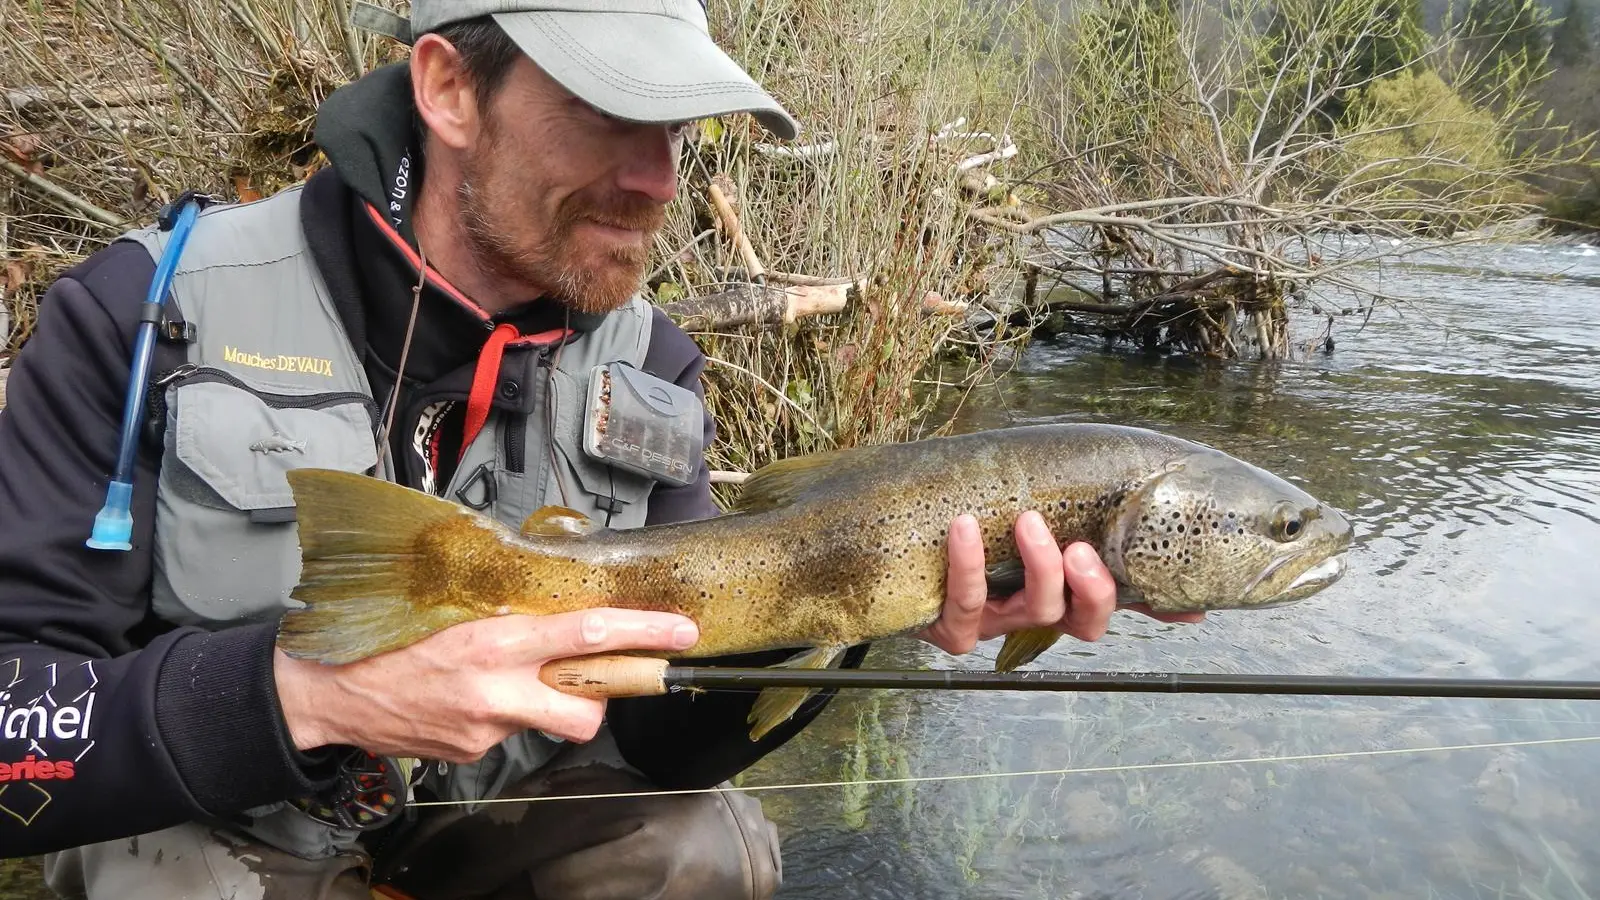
[443,93]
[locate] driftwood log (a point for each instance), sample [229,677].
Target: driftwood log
[759,305]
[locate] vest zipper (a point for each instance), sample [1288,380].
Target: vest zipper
[189,373]
[516,437]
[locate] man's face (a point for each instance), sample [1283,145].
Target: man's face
[558,195]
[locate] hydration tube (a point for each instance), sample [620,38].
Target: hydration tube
[113,525]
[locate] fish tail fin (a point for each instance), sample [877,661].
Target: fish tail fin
[359,547]
[1023,647]
[776,705]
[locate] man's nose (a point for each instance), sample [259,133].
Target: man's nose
[651,167]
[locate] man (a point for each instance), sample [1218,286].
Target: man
[447,286]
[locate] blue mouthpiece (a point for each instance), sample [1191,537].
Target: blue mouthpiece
[113,525]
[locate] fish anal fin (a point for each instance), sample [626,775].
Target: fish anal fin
[776,705]
[1023,647]
[556,521]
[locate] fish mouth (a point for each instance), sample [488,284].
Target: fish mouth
[1320,575]
[1308,582]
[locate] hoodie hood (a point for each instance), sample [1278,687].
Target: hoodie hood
[369,131]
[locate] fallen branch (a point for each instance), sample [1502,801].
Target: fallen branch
[983,159]
[935,303]
[1197,292]
[757,305]
[814,280]
[72,201]
[730,221]
[34,98]
[717,476]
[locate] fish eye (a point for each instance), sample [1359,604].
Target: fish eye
[1288,523]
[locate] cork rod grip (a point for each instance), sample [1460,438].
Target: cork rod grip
[601,677]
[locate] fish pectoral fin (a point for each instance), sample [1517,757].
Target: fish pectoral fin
[1023,647]
[557,521]
[1005,578]
[776,705]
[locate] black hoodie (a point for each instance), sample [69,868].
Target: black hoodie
[113,723]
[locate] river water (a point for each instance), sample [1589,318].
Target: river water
[1462,433]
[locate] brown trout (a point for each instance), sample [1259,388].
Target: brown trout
[822,551]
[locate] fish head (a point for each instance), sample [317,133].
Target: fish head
[1210,531]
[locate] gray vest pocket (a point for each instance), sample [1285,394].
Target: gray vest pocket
[614,497]
[223,488]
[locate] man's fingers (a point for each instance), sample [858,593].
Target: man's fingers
[1094,593]
[1042,600]
[593,631]
[966,590]
[514,704]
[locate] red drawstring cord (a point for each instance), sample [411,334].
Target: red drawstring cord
[484,379]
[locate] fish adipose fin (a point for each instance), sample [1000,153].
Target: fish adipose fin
[776,705]
[359,549]
[1023,647]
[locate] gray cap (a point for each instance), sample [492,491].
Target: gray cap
[638,60]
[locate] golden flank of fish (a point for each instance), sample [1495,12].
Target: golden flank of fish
[823,551]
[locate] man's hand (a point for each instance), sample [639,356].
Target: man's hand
[456,694]
[1071,591]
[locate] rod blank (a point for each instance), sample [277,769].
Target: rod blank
[604,675]
[1149,682]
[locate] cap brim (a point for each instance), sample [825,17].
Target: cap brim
[643,68]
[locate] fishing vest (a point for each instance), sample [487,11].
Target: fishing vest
[272,383]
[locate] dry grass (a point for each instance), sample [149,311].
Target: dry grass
[879,200]
[124,105]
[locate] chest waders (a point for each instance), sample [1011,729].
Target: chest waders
[271,383]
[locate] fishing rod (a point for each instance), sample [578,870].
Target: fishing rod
[632,676]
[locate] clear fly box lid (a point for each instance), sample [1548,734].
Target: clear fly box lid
[644,424]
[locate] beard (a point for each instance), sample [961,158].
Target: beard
[583,277]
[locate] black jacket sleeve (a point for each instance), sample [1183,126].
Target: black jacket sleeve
[110,724]
[696,741]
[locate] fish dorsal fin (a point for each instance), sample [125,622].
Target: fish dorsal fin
[557,521]
[783,482]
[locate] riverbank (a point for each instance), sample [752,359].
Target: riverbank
[1150,174]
